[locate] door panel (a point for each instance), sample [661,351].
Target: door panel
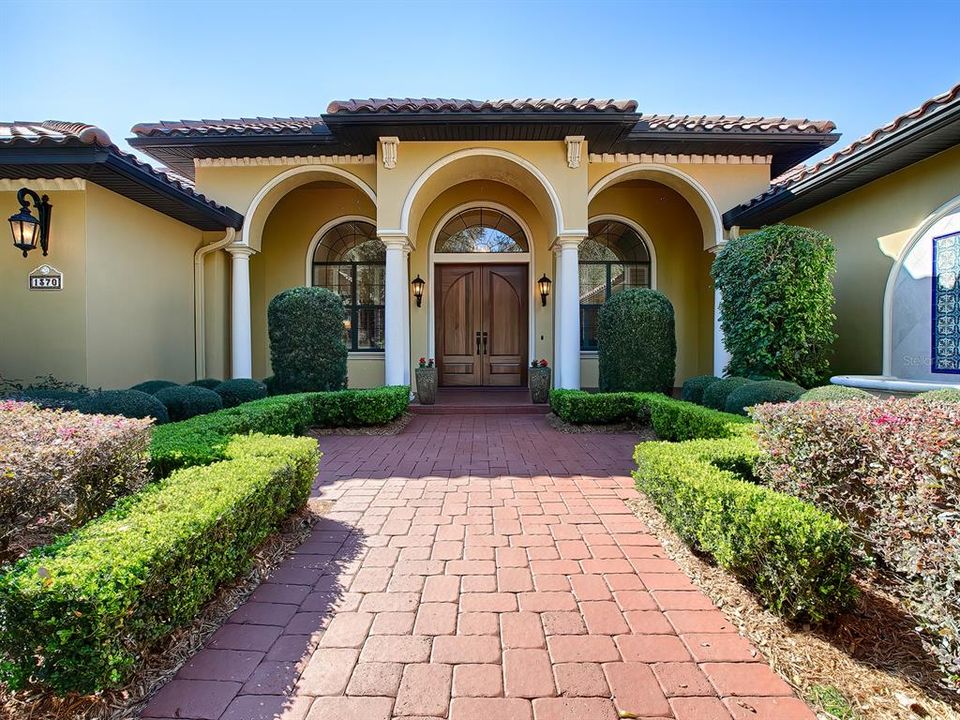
[481,319]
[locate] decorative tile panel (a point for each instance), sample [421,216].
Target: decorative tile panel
[946,304]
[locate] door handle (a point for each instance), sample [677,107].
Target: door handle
[484,343]
[478,342]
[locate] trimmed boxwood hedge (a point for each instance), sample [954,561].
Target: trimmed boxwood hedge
[826,393]
[949,395]
[692,390]
[637,342]
[766,391]
[151,386]
[79,613]
[202,439]
[208,383]
[716,394]
[129,403]
[240,390]
[185,401]
[797,558]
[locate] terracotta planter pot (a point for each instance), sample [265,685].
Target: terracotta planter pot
[427,385]
[539,381]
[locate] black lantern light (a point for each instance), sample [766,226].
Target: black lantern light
[29,230]
[544,285]
[418,285]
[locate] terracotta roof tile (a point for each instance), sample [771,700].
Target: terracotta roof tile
[238,126]
[434,105]
[898,125]
[730,123]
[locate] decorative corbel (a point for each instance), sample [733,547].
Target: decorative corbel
[389,145]
[574,144]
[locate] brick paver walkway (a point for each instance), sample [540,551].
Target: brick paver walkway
[477,567]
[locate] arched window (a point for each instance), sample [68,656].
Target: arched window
[349,260]
[481,230]
[613,257]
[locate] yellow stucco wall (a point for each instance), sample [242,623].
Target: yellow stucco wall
[869,227]
[43,332]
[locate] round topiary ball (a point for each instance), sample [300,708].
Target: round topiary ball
[129,403]
[208,383]
[945,395]
[715,396]
[151,386]
[50,398]
[240,390]
[692,390]
[767,391]
[185,401]
[637,342]
[307,351]
[827,393]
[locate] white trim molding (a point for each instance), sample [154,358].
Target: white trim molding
[42,184]
[680,159]
[574,146]
[291,160]
[318,235]
[389,147]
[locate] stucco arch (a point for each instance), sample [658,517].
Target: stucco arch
[480,164]
[686,186]
[269,195]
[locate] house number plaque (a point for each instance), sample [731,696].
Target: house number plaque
[46,277]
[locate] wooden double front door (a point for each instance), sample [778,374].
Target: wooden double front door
[481,324]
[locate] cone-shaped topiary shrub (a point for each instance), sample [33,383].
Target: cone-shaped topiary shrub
[307,351]
[240,390]
[637,342]
[129,403]
[826,393]
[692,390]
[767,391]
[185,401]
[208,383]
[151,386]
[777,303]
[715,396]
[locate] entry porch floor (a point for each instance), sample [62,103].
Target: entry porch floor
[477,567]
[481,401]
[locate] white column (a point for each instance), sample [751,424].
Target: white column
[557,324]
[241,346]
[569,297]
[406,315]
[720,355]
[396,296]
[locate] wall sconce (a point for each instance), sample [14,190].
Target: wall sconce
[29,230]
[544,285]
[418,285]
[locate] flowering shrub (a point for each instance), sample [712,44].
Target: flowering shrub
[63,468]
[892,470]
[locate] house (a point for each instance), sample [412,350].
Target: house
[891,203]
[484,234]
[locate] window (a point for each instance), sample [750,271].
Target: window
[613,257]
[946,304]
[481,230]
[350,261]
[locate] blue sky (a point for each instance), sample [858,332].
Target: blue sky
[114,64]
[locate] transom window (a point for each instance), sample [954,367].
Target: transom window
[481,230]
[350,261]
[613,257]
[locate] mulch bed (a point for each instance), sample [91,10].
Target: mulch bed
[871,654]
[643,431]
[162,662]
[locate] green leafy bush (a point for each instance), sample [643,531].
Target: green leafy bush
[307,351]
[240,390]
[184,401]
[693,388]
[208,383]
[892,470]
[948,395]
[151,386]
[777,303]
[358,408]
[716,394]
[828,393]
[637,342]
[80,613]
[766,391]
[797,558]
[583,408]
[129,403]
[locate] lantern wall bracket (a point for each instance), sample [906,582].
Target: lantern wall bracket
[44,211]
